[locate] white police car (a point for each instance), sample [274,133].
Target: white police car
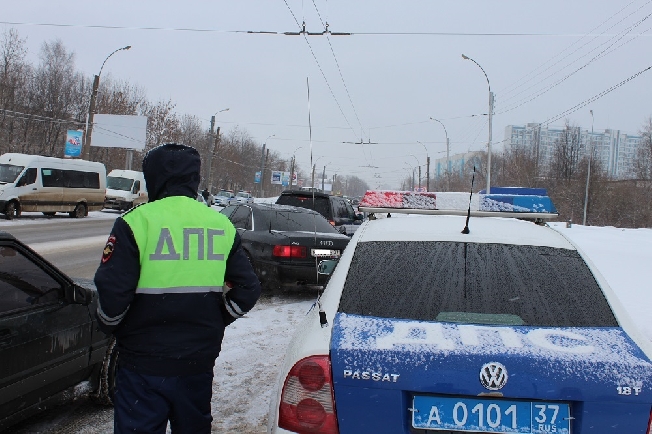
[244,197]
[225,198]
[450,324]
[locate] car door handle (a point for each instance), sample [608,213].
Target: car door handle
[34,188]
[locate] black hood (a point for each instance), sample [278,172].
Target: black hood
[172,170]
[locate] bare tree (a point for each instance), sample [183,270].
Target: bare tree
[643,162]
[53,96]
[566,154]
[12,84]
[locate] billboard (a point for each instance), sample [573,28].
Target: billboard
[73,146]
[276,177]
[282,178]
[119,131]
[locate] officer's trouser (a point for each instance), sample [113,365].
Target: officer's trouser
[145,403]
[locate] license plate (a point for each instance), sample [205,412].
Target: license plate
[318,253]
[490,415]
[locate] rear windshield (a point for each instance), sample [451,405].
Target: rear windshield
[293,221]
[474,283]
[319,204]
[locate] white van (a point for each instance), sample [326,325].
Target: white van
[124,189]
[50,185]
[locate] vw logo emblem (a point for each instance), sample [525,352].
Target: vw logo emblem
[493,376]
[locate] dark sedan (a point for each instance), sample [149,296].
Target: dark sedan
[285,243]
[49,340]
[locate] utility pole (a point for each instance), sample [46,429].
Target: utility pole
[86,143]
[313,176]
[210,152]
[216,139]
[262,171]
[419,178]
[588,173]
[491,111]
[291,171]
[428,173]
[323,175]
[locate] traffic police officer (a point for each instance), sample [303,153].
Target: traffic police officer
[173,275]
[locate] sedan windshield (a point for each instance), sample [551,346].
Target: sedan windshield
[474,283]
[9,173]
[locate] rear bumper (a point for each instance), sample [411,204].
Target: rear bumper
[288,274]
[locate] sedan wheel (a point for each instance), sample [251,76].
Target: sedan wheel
[106,389]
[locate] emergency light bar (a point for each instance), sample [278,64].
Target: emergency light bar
[502,202]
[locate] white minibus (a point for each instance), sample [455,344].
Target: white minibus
[50,185]
[124,189]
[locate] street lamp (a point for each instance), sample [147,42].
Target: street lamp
[448,157]
[215,138]
[86,144]
[588,173]
[491,110]
[427,166]
[262,165]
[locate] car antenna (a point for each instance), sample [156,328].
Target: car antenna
[468,213]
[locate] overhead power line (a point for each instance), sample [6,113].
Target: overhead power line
[314,56]
[265,32]
[516,85]
[593,98]
[608,50]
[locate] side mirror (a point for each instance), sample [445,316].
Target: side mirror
[79,295]
[327,266]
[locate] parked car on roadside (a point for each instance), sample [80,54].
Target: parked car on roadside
[224,198]
[285,243]
[244,197]
[444,323]
[50,343]
[337,210]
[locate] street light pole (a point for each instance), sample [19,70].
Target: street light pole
[216,138]
[588,173]
[262,166]
[491,110]
[294,159]
[427,166]
[448,149]
[86,143]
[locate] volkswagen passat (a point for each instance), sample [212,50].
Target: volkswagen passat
[450,324]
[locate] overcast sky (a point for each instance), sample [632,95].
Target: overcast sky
[402,65]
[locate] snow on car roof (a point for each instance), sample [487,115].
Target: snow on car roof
[449,228]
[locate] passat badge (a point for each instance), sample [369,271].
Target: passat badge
[493,376]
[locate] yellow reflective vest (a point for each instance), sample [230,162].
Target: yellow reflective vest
[183,246]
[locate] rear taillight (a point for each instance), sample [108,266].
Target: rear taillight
[307,403]
[331,222]
[289,251]
[649,424]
